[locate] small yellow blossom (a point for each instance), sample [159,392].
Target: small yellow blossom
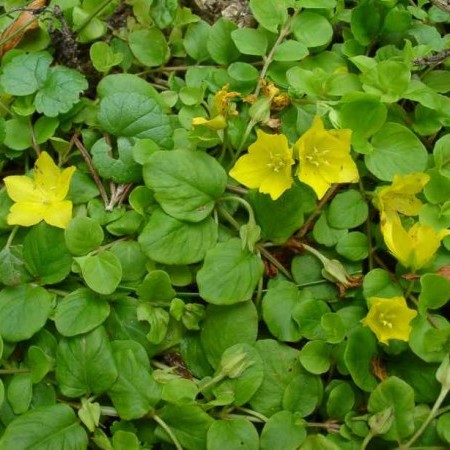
[221,108]
[325,158]
[389,318]
[267,166]
[400,196]
[413,248]
[41,197]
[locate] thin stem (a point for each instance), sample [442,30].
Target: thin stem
[324,200]
[11,236]
[244,203]
[101,7]
[268,60]
[168,430]
[258,415]
[226,215]
[88,161]
[13,371]
[366,440]
[264,252]
[20,30]
[218,378]
[430,417]
[237,189]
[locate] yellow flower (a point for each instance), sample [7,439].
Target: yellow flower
[41,197]
[325,158]
[267,166]
[389,318]
[400,196]
[221,108]
[413,248]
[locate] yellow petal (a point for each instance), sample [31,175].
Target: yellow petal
[397,239]
[341,170]
[22,189]
[312,176]
[426,242]
[26,214]
[276,184]
[59,214]
[250,170]
[63,183]
[46,172]
[216,123]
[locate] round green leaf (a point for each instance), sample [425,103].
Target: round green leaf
[229,274]
[132,259]
[353,246]
[220,45]
[250,41]
[290,50]
[19,392]
[269,14]
[315,357]
[244,72]
[46,255]
[303,394]
[347,210]
[135,115]
[443,427]
[232,434]
[241,323]
[54,426]
[396,151]
[341,400]
[277,307]
[85,364]
[80,311]
[83,235]
[312,30]
[24,310]
[283,431]
[186,183]
[102,272]
[149,46]
[171,241]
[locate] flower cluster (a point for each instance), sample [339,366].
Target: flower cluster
[41,197]
[415,247]
[324,158]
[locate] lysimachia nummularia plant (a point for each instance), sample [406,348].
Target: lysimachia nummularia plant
[224,225]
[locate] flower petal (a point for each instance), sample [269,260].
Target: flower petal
[63,184]
[59,214]
[250,170]
[397,239]
[26,214]
[46,173]
[277,183]
[22,189]
[312,176]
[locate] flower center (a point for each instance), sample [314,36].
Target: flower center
[317,157]
[277,163]
[386,319]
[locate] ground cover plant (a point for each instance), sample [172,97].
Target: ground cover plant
[224,225]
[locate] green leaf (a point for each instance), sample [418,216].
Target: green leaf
[365,22]
[290,50]
[45,254]
[283,431]
[315,357]
[170,241]
[281,218]
[229,274]
[281,366]
[341,400]
[135,392]
[186,183]
[220,45]
[396,151]
[311,29]
[54,426]
[39,362]
[378,283]
[324,233]
[353,246]
[121,169]
[12,266]
[196,39]
[83,235]
[250,41]
[60,92]
[135,115]
[24,310]
[126,83]
[361,348]
[179,391]
[101,272]
[231,434]
[25,74]
[435,292]
[189,423]
[269,14]
[316,3]
[347,210]
[157,318]
[308,315]
[85,364]
[303,394]
[277,307]
[152,55]
[241,323]
[396,394]
[443,427]
[19,392]
[79,312]
[103,57]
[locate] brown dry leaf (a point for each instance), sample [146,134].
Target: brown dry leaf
[24,22]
